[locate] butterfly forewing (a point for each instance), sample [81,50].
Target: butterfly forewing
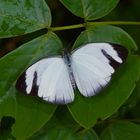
[48,79]
[90,67]
[93,65]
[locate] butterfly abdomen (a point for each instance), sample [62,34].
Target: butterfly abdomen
[68,62]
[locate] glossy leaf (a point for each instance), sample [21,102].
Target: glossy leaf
[24,16]
[106,33]
[66,134]
[90,9]
[61,127]
[58,120]
[121,131]
[58,127]
[56,134]
[87,135]
[30,113]
[131,106]
[86,111]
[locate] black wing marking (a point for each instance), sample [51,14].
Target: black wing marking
[21,84]
[49,80]
[121,51]
[93,65]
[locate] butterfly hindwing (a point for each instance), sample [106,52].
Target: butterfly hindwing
[48,79]
[93,65]
[90,67]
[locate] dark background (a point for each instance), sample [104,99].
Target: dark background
[126,10]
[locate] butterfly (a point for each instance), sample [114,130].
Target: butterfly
[88,68]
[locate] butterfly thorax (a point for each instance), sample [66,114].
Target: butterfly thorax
[67,57]
[68,61]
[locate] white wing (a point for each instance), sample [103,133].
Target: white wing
[93,65]
[48,79]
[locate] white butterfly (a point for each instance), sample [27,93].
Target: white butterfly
[89,67]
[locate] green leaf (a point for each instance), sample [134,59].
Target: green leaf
[61,127]
[31,116]
[55,134]
[58,127]
[19,17]
[86,111]
[106,33]
[57,122]
[30,113]
[121,131]
[7,97]
[87,135]
[66,134]
[131,106]
[133,103]
[90,9]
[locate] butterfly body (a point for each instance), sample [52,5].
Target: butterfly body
[68,61]
[89,68]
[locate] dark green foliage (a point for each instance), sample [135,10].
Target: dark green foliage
[24,117]
[21,17]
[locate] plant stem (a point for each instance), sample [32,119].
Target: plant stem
[115,23]
[67,27]
[94,23]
